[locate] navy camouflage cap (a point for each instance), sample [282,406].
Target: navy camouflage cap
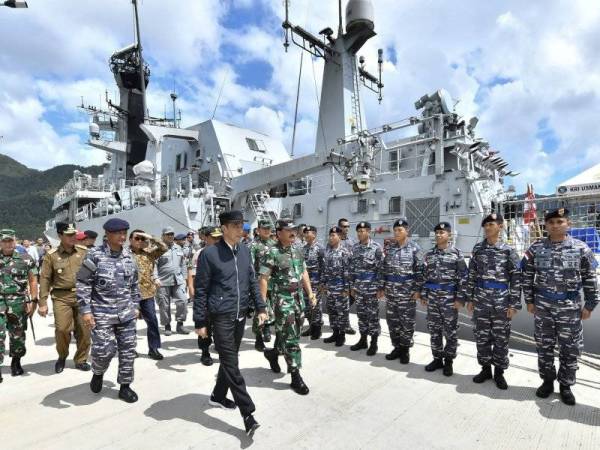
[310,228]
[360,225]
[443,226]
[493,217]
[401,222]
[337,230]
[556,213]
[7,235]
[180,236]
[91,234]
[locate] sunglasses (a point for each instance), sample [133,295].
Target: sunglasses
[140,238]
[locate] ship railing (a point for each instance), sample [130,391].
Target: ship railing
[524,219]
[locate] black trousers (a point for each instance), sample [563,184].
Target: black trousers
[204,343]
[149,315]
[227,333]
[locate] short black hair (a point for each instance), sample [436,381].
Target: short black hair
[342,220]
[135,231]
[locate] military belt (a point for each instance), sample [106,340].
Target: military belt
[366,276]
[441,287]
[568,295]
[485,284]
[398,278]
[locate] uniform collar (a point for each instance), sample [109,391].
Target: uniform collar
[61,249]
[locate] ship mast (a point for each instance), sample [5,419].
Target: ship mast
[141,59]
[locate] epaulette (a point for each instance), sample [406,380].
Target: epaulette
[52,250]
[81,247]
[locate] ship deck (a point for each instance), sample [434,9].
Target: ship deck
[355,402]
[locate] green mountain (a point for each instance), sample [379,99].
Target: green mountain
[26,195]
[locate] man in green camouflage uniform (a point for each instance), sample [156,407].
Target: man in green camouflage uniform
[284,267]
[259,248]
[17,271]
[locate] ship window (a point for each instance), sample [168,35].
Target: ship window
[256,145]
[178,162]
[363,206]
[185,160]
[197,154]
[298,210]
[393,161]
[395,205]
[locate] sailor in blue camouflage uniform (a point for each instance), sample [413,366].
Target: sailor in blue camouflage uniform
[444,276]
[335,282]
[108,296]
[365,263]
[347,242]
[399,281]
[555,269]
[314,254]
[494,297]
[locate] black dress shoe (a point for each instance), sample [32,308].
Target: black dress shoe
[96,383]
[84,367]
[127,394]
[251,425]
[60,365]
[15,367]
[155,355]
[206,359]
[225,403]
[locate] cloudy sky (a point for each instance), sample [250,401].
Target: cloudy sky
[529,70]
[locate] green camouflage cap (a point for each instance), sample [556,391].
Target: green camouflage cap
[265,224]
[7,235]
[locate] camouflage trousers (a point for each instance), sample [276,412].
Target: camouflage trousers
[12,320]
[338,308]
[400,313]
[367,310]
[492,333]
[314,314]
[442,323]
[289,315]
[107,340]
[554,322]
[270,317]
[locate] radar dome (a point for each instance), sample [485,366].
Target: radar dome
[359,13]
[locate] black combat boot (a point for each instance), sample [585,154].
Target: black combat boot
[259,344]
[332,338]
[168,331]
[546,388]
[362,343]
[485,374]
[181,330]
[272,356]
[373,347]
[341,339]
[395,354]
[434,365]
[499,378]
[566,395]
[298,383]
[266,334]
[448,369]
[127,394]
[60,365]
[96,383]
[206,359]
[15,367]
[404,355]
[349,330]
[315,332]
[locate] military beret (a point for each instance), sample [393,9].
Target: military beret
[310,228]
[168,230]
[7,235]
[215,232]
[91,234]
[401,222]
[556,213]
[80,236]
[493,217]
[285,223]
[65,228]
[337,230]
[444,226]
[231,216]
[246,226]
[265,224]
[180,236]
[112,225]
[360,225]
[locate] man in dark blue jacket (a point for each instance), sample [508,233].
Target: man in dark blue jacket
[225,287]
